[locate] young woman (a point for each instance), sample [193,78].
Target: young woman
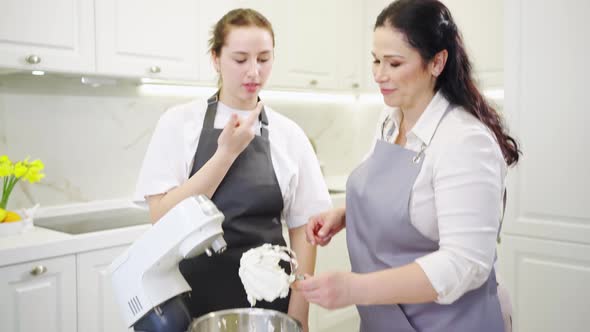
[423,210]
[256,165]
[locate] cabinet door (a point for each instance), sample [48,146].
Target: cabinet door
[97,309]
[147,38]
[318,45]
[334,257]
[39,296]
[371,9]
[548,283]
[55,35]
[545,254]
[211,11]
[481,23]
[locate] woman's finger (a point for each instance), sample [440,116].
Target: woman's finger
[253,117]
[309,231]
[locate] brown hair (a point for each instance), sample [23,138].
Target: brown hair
[429,28]
[241,17]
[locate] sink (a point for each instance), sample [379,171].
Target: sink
[96,221]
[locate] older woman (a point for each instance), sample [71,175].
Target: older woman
[423,210]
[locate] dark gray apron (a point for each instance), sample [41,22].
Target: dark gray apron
[250,199]
[380,236]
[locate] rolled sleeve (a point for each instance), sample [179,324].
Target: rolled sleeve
[467,182]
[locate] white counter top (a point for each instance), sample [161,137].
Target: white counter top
[40,243]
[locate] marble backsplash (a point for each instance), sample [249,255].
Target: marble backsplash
[92,139]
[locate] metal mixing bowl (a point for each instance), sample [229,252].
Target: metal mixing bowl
[245,320]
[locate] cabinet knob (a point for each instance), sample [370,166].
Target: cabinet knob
[33,59]
[355,85]
[38,270]
[313,82]
[155,69]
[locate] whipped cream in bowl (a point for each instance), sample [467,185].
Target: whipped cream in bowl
[262,276]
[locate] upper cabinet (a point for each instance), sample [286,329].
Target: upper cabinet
[318,45]
[55,35]
[481,23]
[147,38]
[210,12]
[316,42]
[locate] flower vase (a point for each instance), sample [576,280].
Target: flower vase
[21,226]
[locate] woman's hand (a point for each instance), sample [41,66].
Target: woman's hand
[322,227]
[237,133]
[330,290]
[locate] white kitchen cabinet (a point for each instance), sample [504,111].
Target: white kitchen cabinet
[148,38]
[39,296]
[548,283]
[481,24]
[211,11]
[97,309]
[545,253]
[318,45]
[312,50]
[55,35]
[334,257]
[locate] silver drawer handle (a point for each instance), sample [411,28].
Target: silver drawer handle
[33,59]
[155,69]
[38,270]
[313,82]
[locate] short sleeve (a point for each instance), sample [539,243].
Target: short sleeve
[308,193]
[162,168]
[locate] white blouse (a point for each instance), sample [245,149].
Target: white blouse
[170,154]
[457,197]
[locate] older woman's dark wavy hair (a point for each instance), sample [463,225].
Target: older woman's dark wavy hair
[429,28]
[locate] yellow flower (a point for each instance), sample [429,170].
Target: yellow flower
[20,169]
[5,166]
[12,173]
[34,175]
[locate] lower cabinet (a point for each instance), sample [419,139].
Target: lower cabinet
[548,283]
[64,294]
[97,309]
[39,296]
[74,292]
[334,257]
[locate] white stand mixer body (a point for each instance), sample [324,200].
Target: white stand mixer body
[147,274]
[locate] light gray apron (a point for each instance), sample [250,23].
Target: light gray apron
[380,236]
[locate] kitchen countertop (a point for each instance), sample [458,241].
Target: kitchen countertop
[41,243]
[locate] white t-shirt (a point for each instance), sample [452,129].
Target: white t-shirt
[457,197]
[170,155]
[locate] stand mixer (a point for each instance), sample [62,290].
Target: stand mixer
[146,280]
